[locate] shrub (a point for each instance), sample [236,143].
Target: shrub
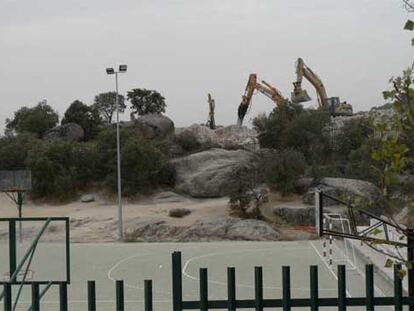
[143,166]
[60,168]
[179,212]
[353,135]
[14,150]
[188,141]
[288,165]
[292,127]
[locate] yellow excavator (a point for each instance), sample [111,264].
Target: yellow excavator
[211,123]
[264,88]
[299,95]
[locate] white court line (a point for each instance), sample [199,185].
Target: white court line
[121,261]
[118,263]
[328,267]
[184,271]
[379,290]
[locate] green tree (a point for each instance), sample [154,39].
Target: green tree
[292,127]
[15,149]
[394,151]
[60,168]
[86,116]
[105,105]
[37,120]
[146,101]
[143,166]
[271,128]
[287,167]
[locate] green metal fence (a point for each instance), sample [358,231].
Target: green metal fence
[369,301]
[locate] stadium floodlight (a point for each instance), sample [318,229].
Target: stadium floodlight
[110,71]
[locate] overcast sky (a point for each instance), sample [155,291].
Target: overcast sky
[58,50]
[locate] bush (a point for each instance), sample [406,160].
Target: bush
[60,168]
[288,166]
[292,127]
[353,135]
[143,166]
[188,141]
[179,212]
[14,150]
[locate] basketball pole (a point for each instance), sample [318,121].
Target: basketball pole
[20,199]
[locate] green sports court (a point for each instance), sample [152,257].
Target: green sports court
[135,262]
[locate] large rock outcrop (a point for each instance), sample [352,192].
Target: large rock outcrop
[69,132]
[228,137]
[345,187]
[215,172]
[216,229]
[154,126]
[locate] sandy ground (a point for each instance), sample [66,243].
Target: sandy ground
[97,221]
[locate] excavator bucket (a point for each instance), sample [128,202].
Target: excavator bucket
[300,97]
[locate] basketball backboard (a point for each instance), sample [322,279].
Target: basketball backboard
[42,257]
[15,180]
[354,222]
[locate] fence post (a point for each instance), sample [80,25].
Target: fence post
[410,258]
[231,288]
[12,248]
[286,288]
[314,290]
[397,288]
[148,295]
[7,297]
[91,296]
[341,288]
[63,297]
[177,282]
[369,287]
[203,289]
[119,295]
[258,288]
[35,297]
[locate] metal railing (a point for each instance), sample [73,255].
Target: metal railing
[369,301]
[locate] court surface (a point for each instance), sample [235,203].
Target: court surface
[135,262]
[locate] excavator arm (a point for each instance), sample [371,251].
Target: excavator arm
[264,88]
[331,104]
[300,95]
[211,123]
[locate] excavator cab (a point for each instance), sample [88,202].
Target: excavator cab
[331,104]
[299,95]
[336,108]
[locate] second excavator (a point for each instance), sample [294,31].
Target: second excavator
[264,88]
[299,95]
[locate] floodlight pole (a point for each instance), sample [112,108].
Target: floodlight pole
[122,68]
[118,156]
